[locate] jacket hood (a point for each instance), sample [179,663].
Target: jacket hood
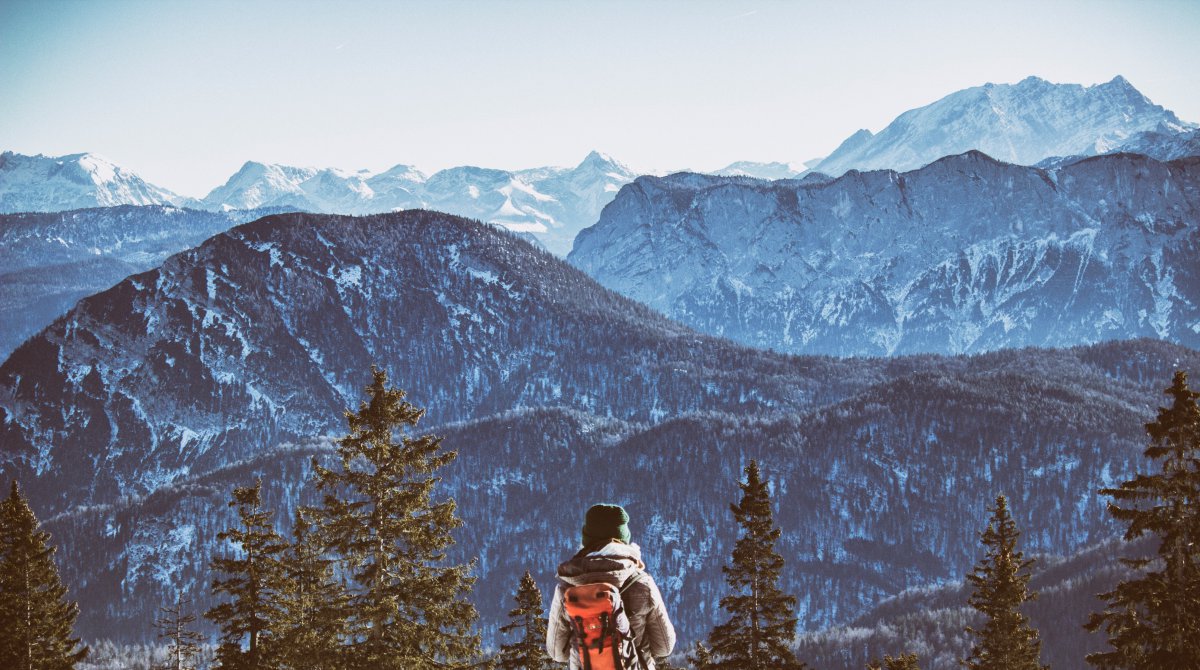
[614,563]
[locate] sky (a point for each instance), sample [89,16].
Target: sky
[183,93]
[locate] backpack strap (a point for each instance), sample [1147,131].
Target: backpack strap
[633,579]
[581,638]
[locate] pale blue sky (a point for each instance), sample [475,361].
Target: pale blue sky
[184,92]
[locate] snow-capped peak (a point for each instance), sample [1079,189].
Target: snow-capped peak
[601,161]
[51,183]
[1021,123]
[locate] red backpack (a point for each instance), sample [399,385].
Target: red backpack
[601,627]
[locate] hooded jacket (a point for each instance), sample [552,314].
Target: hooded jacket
[615,564]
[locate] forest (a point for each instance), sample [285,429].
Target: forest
[364,578]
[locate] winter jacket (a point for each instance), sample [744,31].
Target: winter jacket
[615,563]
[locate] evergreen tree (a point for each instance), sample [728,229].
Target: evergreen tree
[246,619]
[1001,586]
[528,619]
[701,657]
[902,662]
[410,610]
[1153,619]
[762,620]
[313,605]
[174,625]
[36,618]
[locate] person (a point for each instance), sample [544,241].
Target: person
[608,555]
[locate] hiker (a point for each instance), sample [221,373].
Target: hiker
[613,565]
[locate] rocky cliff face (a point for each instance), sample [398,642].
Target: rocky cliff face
[967,254]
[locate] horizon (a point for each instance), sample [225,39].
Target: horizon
[184,94]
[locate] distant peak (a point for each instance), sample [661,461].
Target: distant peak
[1119,80]
[252,165]
[594,155]
[602,159]
[969,156]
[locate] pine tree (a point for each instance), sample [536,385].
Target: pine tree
[174,625]
[700,658]
[410,610]
[763,619]
[313,605]
[247,618]
[528,619]
[36,618]
[1001,586]
[1153,619]
[901,662]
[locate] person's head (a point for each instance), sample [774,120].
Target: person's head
[604,523]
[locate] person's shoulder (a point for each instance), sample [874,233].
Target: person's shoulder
[642,580]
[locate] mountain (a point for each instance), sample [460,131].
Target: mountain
[1160,144]
[1163,144]
[55,183]
[1020,123]
[769,171]
[51,260]
[279,318]
[130,418]
[967,254]
[552,204]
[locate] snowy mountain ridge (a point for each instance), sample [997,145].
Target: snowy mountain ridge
[75,181]
[1021,123]
[550,203]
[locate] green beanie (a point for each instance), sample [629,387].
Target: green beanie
[605,522]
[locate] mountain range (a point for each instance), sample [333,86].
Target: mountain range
[166,350]
[551,204]
[967,254]
[132,416]
[1024,123]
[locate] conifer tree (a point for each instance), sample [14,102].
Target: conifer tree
[379,515]
[36,617]
[901,662]
[313,605]
[174,625]
[1153,619]
[247,618]
[762,620]
[1001,586]
[701,657]
[528,619]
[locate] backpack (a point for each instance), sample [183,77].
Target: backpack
[601,627]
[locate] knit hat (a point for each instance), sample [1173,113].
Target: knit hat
[605,522]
